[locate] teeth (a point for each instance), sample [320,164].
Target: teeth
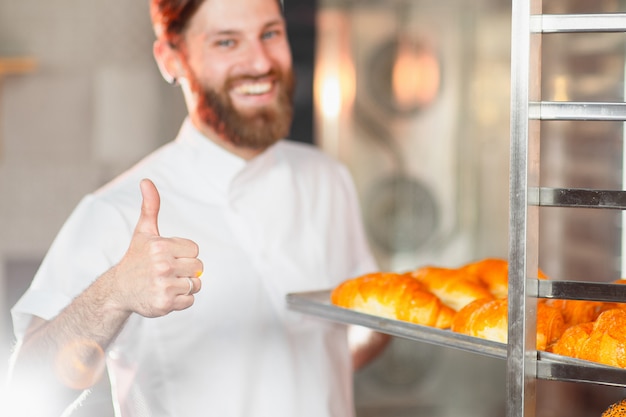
[256,88]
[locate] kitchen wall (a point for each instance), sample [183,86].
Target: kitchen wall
[429,153]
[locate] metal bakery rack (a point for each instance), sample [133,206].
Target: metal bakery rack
[524,363]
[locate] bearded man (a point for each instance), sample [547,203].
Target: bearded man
[227,207]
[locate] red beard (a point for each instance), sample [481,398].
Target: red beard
[257,130]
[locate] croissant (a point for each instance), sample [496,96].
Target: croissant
[573,341]
[603,340]
[454,288]
[611,325]
[494,273]
[483,318]
[488,319]
[393,296]
[577,311]
[550,325]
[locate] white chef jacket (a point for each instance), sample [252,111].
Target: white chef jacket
[286,221]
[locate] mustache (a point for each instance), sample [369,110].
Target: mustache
[272,74]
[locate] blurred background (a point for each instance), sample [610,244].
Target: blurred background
[412,95]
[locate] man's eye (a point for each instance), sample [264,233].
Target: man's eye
[225,43]
[271,34]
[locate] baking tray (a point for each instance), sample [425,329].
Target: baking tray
[549,365]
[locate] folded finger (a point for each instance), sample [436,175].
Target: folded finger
[189,267]
[189,286]
[184,248]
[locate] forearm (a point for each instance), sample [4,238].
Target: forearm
[157,275]
[61,358]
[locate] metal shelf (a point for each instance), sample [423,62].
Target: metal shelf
[561,368]
[318,303]
[576,290]
[570,110]
[577,197]
[549,365]
[573,23]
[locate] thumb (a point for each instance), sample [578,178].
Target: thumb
[150,205]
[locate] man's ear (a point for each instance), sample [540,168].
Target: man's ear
[167,60]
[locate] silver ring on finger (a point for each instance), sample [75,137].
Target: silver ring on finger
[190,286]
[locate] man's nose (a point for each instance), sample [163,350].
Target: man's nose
[259,59]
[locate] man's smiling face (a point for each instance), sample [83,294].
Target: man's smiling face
[238,64]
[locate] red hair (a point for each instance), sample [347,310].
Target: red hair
[170,17]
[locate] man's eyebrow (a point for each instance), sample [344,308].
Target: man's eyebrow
[232,32]
[223,32]
[279,22]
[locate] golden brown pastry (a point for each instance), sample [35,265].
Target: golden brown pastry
[603,340]
[611,324]
[494,273]
[453,287]
[616,410]
[488,319]
[573,340]
[582,311]
[393,296]
[483,318]
[463,317]
[550,325]
[577,311]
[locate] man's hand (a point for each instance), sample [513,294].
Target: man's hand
[59,358]
[157,275]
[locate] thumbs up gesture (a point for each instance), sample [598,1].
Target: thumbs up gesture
[157,275]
